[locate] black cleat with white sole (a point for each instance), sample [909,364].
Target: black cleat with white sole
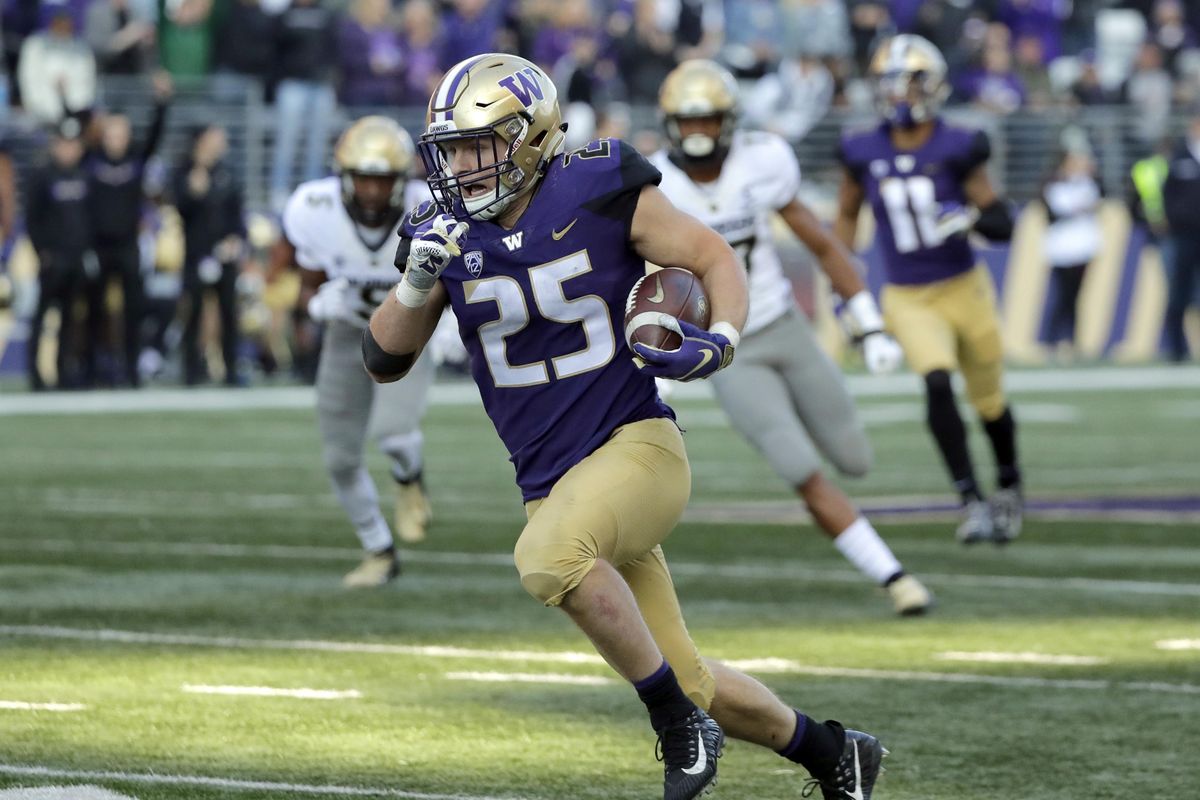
[856,772]
[689,749]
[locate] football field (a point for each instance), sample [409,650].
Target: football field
[172,623]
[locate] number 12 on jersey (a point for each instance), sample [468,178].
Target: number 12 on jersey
[546,282]
[912,210]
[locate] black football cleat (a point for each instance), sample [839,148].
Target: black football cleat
[689,749]
[856,772]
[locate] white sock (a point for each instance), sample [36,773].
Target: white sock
[863,548]
[359,497]
[406,451]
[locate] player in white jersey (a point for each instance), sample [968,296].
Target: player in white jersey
[783,394]
[341,232]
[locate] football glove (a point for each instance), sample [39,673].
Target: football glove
[428,256]
[955,220]
[881,352]
[329,302]
[861,316]
[699,355]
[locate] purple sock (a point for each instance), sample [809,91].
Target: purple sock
[665,701]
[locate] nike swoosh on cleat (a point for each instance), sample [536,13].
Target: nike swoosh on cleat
[556,235]
[857,794]
[658,295]
[702,760]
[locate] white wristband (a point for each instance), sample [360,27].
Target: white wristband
[728,331]
[864,314]
[408,295]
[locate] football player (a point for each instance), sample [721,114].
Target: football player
[536,250]
[784,395]
[340,232]
[928,186]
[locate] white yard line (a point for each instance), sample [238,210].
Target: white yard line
[762,665]
[17,705]
[270,691]
[530,677]
[776,570]
[993,657]
[76,792]
[461,393]
[32,771]
[1178,644]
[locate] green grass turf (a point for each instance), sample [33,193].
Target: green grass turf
[114,522]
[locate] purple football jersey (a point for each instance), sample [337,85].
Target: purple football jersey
[910,190]
[541,311]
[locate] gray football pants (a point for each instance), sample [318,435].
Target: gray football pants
[788,399]
[350,408]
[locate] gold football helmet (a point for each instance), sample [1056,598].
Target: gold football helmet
[909,77]
[375,146]
[699,88]
[499,104]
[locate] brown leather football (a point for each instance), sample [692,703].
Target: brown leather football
[672,291]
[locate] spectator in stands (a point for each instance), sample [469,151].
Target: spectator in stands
[1088,90]
[56,212]
[185,30]
[208,197]
[571,21]
[1171,32]
[1072,196]
[816,27]
[370,56]
[793,99]
[753,37]
[57,71]
[645,51]
[995,87]
[1032,74]
[1040,19]
[1181,201]
[115,175]
[122,34]
[20,20]
[870,20]
[306,55]
[1148,89]
[421,39]
[471,27]
[242,65]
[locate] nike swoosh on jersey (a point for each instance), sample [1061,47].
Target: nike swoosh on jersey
[701,761]
[658,292]
[706,356]
[556,235]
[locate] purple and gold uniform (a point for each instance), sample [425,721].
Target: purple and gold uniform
[910,190]
[540,309]
[938,303]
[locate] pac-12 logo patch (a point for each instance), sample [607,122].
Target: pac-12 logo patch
[474,262]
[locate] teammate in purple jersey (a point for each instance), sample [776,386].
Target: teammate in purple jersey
[928,187]
[536,250]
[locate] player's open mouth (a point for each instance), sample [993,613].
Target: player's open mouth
[476,189]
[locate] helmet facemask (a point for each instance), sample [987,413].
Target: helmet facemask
[373,217]
[494,147]
[908,99]
[700,148]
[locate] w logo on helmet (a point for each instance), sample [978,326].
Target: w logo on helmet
[524,85]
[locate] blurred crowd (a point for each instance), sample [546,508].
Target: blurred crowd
[141,260]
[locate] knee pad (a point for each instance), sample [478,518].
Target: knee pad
[342,466]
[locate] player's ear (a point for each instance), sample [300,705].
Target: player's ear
[401,260]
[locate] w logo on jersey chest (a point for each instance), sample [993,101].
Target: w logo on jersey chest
[514,241]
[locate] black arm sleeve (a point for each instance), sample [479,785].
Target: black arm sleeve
[380,362]
[154,136]
[995,222]
[401,260]
[978,152]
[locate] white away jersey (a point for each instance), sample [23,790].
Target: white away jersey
[326,239]
[760,176]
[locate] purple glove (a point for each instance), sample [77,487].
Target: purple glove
[700,355]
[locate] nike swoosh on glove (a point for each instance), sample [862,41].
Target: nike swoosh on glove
[699,355]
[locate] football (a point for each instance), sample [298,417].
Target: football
[672,291]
